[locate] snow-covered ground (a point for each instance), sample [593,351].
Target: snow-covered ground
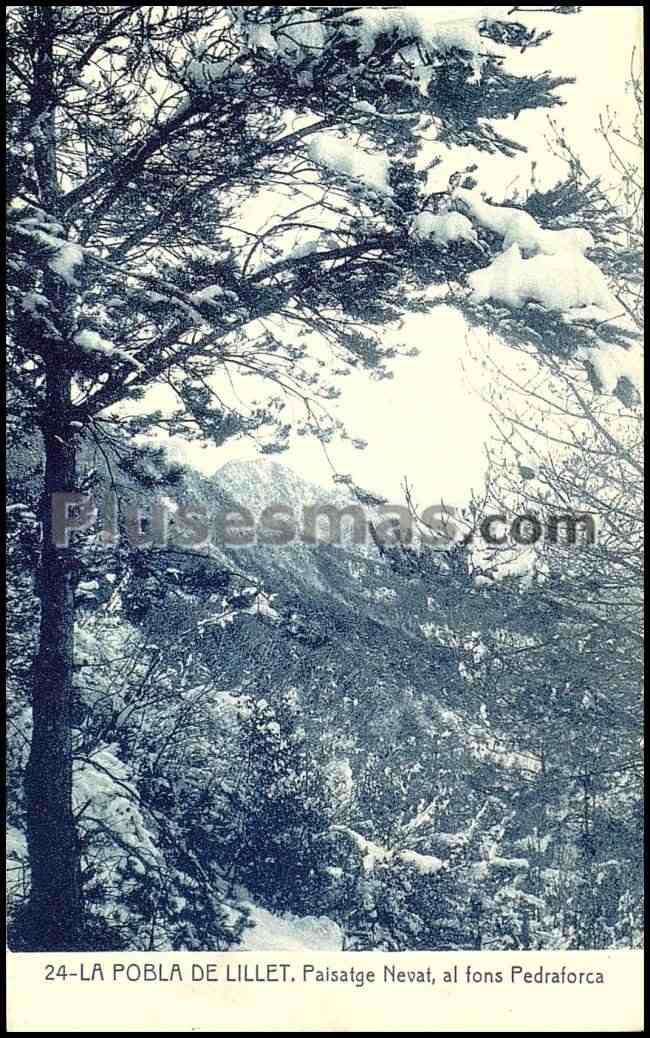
[290,933]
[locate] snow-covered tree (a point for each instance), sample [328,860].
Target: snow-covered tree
[143,141]
[569,444]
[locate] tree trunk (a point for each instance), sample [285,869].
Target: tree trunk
[54,920]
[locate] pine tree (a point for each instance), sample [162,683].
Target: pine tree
[137,138]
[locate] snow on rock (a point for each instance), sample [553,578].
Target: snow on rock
[566,282]
[290,933]
[260,605]
[91,342]
[339,155]
[444,228]
[425,864]
[513,759]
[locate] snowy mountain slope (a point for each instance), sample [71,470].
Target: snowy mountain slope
[339,618]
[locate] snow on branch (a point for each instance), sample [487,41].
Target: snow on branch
[423,26]
[537,265]
[91,342]
[609,365]
[64,257]
[444,228]
[567,282]
[417,32]
[550,268]
[517,227]
[341,157]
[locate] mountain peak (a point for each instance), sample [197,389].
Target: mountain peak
[258,483]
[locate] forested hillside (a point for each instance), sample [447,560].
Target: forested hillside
[427,758]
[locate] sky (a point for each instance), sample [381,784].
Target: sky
[428,424]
